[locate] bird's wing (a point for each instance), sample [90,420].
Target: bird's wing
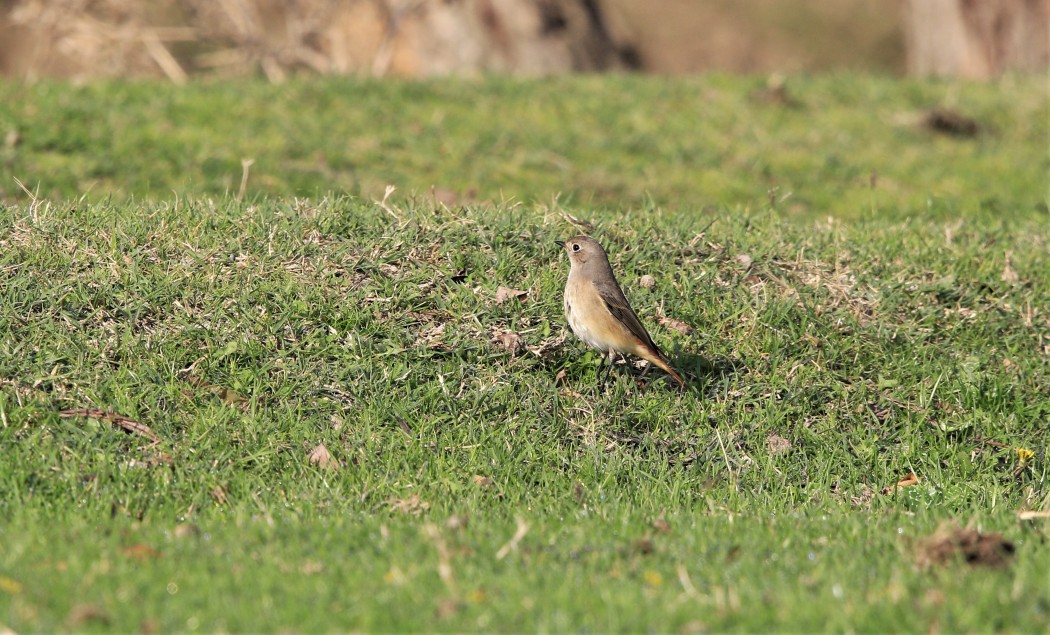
[621,309]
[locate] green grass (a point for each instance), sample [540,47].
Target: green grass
[601,142]
[910,338]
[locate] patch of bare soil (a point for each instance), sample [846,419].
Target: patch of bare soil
[951,543]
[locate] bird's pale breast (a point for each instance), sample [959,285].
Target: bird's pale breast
[591,320]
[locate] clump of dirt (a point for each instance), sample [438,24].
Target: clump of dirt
[952,543]
[951,123]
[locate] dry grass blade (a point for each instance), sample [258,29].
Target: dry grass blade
[125,423]
[512,544]
[246,166]
[1031,514]
[584,226]
[390,189]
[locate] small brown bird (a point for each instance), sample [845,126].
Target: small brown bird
[598,312]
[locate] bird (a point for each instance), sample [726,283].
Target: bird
[598,312]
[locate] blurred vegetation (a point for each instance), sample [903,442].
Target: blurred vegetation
[842,145]
[180,38]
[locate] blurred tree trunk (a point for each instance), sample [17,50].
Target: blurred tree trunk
[976,38]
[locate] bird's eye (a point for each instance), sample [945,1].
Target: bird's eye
[576,246]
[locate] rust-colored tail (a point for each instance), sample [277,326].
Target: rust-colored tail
[658,360]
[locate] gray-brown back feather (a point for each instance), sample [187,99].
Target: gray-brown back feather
[616,302]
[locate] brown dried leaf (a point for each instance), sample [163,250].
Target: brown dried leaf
[777,444]
[509,340]
[579,493]
[447,608]
[219,495]
[483,481]
[186,530]
[456,522]
[81,614]
[547,346]
[863,497]
[411,505]
[445,196]
[506,293]
[880,411]
[321,457]
[907,481]
[228,395]
[432,337]
[675,325]
[159,458]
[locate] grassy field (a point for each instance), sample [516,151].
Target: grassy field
[299,406]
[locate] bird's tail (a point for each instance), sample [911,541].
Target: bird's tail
[657,359]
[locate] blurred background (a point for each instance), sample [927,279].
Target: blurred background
[178,39]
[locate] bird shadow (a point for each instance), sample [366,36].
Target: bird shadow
[700,371]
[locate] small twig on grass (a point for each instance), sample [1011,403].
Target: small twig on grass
[127,424]
[995,444]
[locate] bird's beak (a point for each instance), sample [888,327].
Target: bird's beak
[560,243]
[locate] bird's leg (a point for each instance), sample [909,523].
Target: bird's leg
[602,380]
[609,365]
[600,362]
